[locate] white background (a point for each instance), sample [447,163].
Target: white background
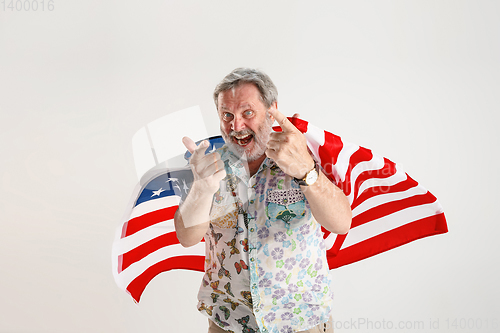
[416,81]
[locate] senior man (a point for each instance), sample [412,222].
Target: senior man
[260,202]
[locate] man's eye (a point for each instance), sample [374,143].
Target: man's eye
[227,116]
[248,113]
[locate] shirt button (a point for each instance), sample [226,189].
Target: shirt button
[252,259]
[257,310]
[252,229]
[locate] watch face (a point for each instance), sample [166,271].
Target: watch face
[312,176]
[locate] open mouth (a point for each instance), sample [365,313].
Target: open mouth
[243,140]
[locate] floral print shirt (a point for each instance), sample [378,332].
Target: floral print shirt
[265,266]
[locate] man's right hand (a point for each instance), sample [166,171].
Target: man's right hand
[193,216]
[208,170]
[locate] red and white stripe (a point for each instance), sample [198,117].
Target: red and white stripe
[146,245]
[389,208]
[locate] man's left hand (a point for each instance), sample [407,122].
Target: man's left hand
[288,148]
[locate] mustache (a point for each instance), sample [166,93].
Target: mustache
[241,133]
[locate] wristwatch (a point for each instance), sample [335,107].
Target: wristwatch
[310,177]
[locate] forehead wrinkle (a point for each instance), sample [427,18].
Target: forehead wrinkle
[244,106]
[240,97]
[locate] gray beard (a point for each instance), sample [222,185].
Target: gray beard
[260,142]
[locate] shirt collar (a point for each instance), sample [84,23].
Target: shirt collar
[238,165]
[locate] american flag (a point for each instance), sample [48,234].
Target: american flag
[389,209]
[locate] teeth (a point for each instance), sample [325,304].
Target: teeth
[241,137]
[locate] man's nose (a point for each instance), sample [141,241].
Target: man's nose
[238,124]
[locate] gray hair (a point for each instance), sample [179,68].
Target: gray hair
[268,91]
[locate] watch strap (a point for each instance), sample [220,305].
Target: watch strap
[303,180]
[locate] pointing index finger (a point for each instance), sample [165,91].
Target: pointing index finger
[193,149]
[189,144]
[283,121]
